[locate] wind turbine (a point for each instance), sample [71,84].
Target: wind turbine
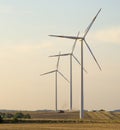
[71,57]
[82,39]
[56,71]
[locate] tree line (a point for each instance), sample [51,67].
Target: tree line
[16,116]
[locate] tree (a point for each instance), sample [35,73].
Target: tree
[19,115]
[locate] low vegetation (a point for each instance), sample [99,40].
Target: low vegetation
[1,119]
[13,118]
[51,120]
[100,116]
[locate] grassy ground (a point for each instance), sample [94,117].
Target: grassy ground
[87,126]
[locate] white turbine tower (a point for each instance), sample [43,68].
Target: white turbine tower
[82,39]
[71,57]
[56,71]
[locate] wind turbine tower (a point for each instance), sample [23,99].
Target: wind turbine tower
[56,71]
[71,55]
[82,40]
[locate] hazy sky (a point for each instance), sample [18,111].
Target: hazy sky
[25,47]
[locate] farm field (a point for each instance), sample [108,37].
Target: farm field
[87,126]
[89,115]
[51,120]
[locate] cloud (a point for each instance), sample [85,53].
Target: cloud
[108,35]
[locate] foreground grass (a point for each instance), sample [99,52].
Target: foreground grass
[70,126]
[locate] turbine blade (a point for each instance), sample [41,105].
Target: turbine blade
[68,37]
[92,55]
[79,63]
[48,72]
[60,55]
[88,28]
[63,76]
[75,43]
[76,59]
[58,60]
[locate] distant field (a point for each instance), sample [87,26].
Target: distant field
[88,126]
[97,115]
[51,120]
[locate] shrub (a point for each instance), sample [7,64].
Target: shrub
[94,111]
[27,116]
[15,120]
[9,115]
[102,110]
[19,115]
[1,119]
